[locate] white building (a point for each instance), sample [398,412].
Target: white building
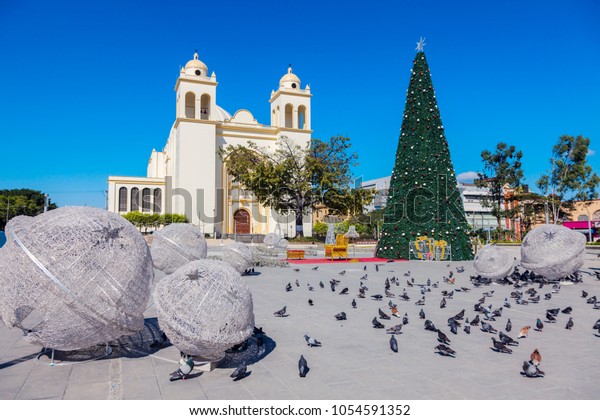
[188,177]
[477,216]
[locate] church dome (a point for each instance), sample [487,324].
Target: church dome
[290,80]
[196,67]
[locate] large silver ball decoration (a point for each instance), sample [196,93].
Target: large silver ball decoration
[271,239]
[74,277]
[493,263]
[177,244]
[238,256]
[205,308]
[553,251]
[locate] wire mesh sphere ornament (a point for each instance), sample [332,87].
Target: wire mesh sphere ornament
[493,263]
[74,277]
[352,233]
[205,308]
[238,256]
[553,251]
[271,239]
[177,244]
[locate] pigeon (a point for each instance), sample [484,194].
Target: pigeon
[460,269]
[187,365]
[239,373]
[297,283]
[322,285]
[554,311]
[361,294]
[467,329]
[445,350]
[302,367]
[405,319]
[391,304]
[523,332]
[281,312]
[539,324]
[354,303]
[332,284]
[376,267]
[485,327]
[310,288]
[341,316]
[389,294]
[592,300]
[534,299]
[531,371]
[597,326]
[584,294]
[508,325]
[569,323]
[288,287]
[550,317]
[506,339]
[475,321]
[567,310]
[296,269]
[459,316]
[421,301]
[488,294]
[365,268]
[377,297]
[506,303]
[310,302]
[548,296]
[536,357]
[315,268]
[362,286]
[443,303]
[395,311]
[376,323]
[422,314]
[393,344]
[429,326]
[396,329]
[500,346]
[453,326]
[344,291]
[442,338]
[364,277]
[342,273]
[312,342]
[383,315]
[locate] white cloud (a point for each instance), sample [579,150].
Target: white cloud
[466,176]
[591,152]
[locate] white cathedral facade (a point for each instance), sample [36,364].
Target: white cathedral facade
[188,176]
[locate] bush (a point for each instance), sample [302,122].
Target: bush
[146,221]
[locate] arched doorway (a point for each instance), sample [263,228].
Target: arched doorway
[241,222]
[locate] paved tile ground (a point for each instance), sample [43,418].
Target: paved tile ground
[355,361]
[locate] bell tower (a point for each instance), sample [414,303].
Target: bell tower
[290,105]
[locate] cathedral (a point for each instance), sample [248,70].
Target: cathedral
[188,176]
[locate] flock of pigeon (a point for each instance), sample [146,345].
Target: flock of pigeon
[527,289]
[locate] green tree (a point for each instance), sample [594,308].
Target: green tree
[570,177]
[21,202]
[502,168]
[423,197]
[295,178]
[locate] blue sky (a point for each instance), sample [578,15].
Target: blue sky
[87,87]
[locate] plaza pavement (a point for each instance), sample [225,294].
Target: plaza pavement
[355,361]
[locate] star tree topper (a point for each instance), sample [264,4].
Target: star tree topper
[420,44]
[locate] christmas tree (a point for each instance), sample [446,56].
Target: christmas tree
[423,199]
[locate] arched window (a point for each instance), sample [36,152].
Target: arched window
[289,110]
[596,215]
[582,218]
[146,200]
[273,119]
[122,199]
[157,200]
[205,107]
[302,117]
[135,199]
[190,105]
